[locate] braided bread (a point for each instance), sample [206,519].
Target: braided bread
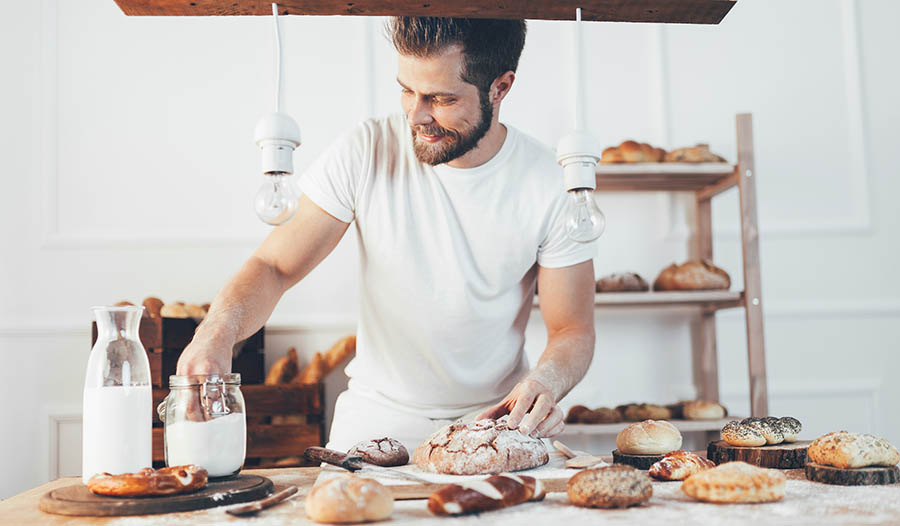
[148,482]
[752,432]
[498,491]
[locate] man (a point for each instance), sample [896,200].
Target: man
[458,217]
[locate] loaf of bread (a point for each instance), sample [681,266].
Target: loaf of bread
[622,282]
[649,437]
[475,496]
[284,370]
[703,410]
[845,450]
[641,412]
[153,307]
[349,499]
[576,413]
[632,152]
[735,482]
[381,452]
[485,446]
[150,482]
[616,486]
[692,275]
[693,154]
[752,432]
[679,465]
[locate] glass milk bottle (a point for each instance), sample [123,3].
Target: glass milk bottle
[117,413]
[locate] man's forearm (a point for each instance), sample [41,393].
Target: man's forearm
[243,305]
[565,360]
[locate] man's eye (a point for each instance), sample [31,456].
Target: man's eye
[406,91]
[444,102]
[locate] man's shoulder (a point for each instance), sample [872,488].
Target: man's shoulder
[536,158]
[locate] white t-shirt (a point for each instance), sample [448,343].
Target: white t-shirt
[448,262]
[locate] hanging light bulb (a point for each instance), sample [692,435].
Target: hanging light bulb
[278,135]
[577,154]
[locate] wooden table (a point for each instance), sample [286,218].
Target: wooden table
[805,503]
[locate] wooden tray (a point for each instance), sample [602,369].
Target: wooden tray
[78,500]
[787,455]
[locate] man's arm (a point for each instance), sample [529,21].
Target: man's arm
[288,254]
[567,305]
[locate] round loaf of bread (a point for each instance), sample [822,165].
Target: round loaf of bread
[649,437]
[576,414]
[640,412]
[622,282]
[381,452]
[614,486]
[735,482]
[601,415]
[692,275]
[349,499]
[703,410]
[485,446]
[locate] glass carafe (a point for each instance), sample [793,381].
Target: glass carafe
[118,401]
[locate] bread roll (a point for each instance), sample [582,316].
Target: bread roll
[738,434]
[349,499]
[615,486]
[735,482]
[575,414]
[692,275]
[622,282]
[641,412]
[632,152]
[601,415]
[852,450]
[693,154]
[153,306]
[649,437]
[703,410]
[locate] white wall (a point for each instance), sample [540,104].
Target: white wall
[128,168]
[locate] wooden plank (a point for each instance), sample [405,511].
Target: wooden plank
[673,177]
[715,189]
[756,354]
[705,299]
[264,441]
[670,11]
[705,356]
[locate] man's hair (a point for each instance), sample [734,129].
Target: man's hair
[490,47]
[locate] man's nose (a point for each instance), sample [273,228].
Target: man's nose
[420,113]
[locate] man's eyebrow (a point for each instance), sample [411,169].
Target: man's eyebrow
[435,94]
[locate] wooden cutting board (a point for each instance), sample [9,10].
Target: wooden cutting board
[869,476]
[78,500]
[787,455]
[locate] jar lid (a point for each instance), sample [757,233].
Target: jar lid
[200,379]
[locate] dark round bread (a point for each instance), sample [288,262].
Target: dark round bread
[385,452]
[577,414]
[615,486]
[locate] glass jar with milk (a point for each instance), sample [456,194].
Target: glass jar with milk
[118,402]
[205,423]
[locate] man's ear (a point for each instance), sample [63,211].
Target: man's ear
[501,86]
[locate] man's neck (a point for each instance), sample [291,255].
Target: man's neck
[487,148]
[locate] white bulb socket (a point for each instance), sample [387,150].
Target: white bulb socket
[278,135]
[577,154]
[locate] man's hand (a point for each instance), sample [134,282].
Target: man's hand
[203,356]
[545,418]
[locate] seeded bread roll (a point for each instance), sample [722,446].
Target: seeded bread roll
[614,486]
[852,450]
[649,437]
[349,499]
[738,434]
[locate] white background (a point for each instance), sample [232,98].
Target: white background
[128,168]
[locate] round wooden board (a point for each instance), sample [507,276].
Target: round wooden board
[869,476]
[638,461]
[787,455]
[78,500]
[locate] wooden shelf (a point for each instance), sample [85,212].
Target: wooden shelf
[669,11]
[706,299]
[684,426]
[707,178]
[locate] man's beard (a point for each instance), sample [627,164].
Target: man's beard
[454,144]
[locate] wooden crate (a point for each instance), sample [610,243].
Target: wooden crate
[176,333]
[264,439]
[249,363]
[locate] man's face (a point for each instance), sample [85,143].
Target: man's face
[446,114]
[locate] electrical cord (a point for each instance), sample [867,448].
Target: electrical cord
[278,59]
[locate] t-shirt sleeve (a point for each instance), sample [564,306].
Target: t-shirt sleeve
[332,181]
[557,249]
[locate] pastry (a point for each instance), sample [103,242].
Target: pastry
[381,452]
[574,416]
[693,154]
[679,465]
[615,486]
[485,446]
[632,152]
[735,482]
[622,282]
[649,437]
[349,499]
[152,307]
[692,275]
[149,482]
[639,412]
[498,491]
[703,410]
[845,450]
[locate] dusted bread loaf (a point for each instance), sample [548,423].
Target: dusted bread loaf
[852,450]
[649,437]
[692,275]
[381,452]
[615,486]
[349,499]
[735,482]
[485,446]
